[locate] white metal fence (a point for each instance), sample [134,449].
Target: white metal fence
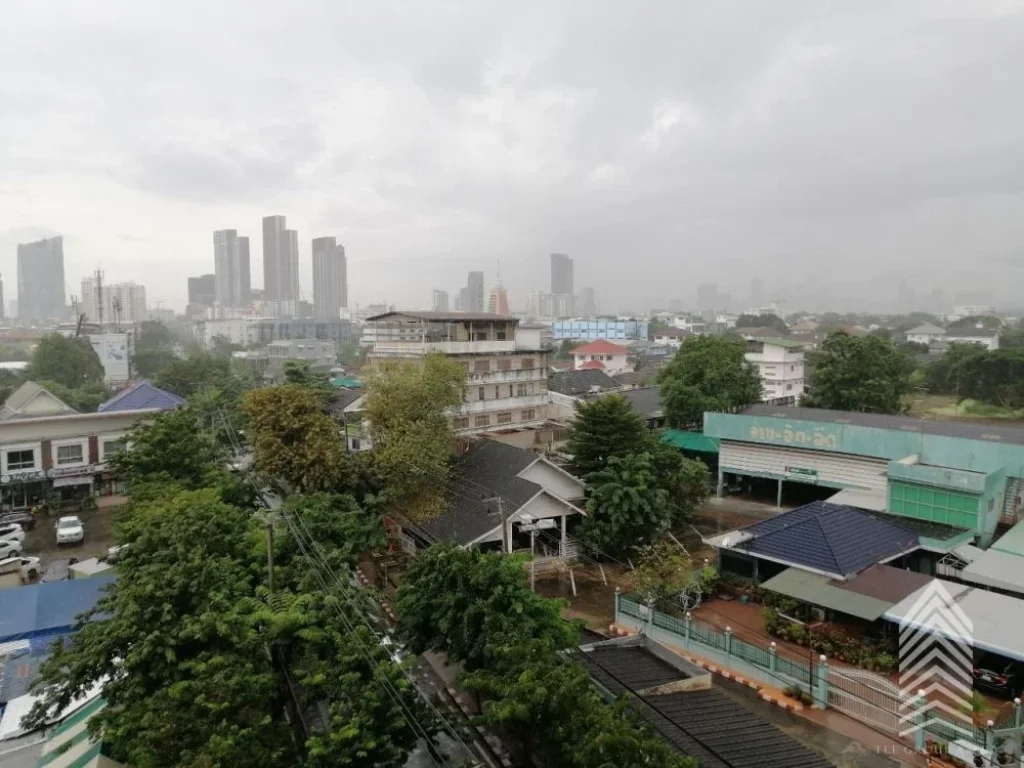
[867,696]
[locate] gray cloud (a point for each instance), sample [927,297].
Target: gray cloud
[661,144]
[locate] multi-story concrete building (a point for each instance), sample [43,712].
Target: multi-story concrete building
[330,278]
[264,330]
[110,304]
[321,354]
[561,274]
[474,292]
[506,382]
[41,293]
[583,329]
[48,450]
[233,279]
[781,365]
[202,290]
[280,261]
[602,355]
[588,301]
[497,304]
[439,301]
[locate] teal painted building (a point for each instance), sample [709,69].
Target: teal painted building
[963,475]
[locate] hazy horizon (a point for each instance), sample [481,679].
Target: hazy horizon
[828,152]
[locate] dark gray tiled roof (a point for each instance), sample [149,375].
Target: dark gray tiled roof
[575,383]
[645,401]
[488,469]
[442,316]
[831,538]
[987,432]
[707,725]
[342,398]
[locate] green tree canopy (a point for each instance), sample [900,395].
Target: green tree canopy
[858,373]
[407,409]
[604,427]
[154,335]
[708,373]
[186,376]
[171,447]
[628,506]
[984,321]
[993,377]
[70,362]
[293,439]
[763,321]
[85,399]
[687,481]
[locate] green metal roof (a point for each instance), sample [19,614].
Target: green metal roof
[691,441]
[817,590]
[778,341]
[348,383]
[1011,542]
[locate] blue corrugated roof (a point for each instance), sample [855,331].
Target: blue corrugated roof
[142,396]
[831,538]
[42,608]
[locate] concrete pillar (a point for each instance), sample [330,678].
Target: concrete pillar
[728,641]
[618,592]
[820,692]
[989,739]
[922,718]
[686,630]
[778,495]
[721,483]
[650,617]
[773,655]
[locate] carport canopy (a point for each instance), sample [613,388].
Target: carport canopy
[819,590]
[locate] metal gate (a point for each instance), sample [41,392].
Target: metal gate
[866,696]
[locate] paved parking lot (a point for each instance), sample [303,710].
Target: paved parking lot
[41,542]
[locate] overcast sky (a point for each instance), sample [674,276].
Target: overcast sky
[829,148]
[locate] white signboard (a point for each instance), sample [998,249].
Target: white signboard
[113,351]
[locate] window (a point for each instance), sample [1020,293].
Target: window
[355,443]
[460,423]
[497,391]
[505,418]
[499,336]
[527,363]
[480,393]
[21,459]
[522,390]
[482,421]
[69,454]
[789,386]
[510,390]
[504,364]
[113,446]
[529,414]
[792,367]
[481,366]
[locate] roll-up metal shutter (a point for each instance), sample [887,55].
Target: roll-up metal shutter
[833,469]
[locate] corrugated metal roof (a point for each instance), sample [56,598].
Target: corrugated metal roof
[997,568]
[885,582]
[581,382]
[45,607]
[1011,542]
[820,590]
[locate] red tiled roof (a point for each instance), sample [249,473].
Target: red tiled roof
[600,347]
[591,365]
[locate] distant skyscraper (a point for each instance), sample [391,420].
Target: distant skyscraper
[561,274]
[707,297]
[588,301]
[497,304]
[233,282]
[330,278]
[2,315]
[475,292]
[202,290]
[41,279]
[111,303]
[439,301]
[280,263]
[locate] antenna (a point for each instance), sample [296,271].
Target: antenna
[99,296]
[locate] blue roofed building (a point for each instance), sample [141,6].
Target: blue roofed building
[142,396]
[43,612]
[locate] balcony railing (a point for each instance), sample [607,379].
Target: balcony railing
[499,404]
[497,377]
[404,348]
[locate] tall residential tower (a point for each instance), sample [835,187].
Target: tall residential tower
[330,278]
[280,264]
[233,281]
[41,293]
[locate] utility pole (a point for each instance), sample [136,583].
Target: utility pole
[270,552]
[505,537]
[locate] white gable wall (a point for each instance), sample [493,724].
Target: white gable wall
[551,480]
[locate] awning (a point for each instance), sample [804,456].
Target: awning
[691,441]
[64,482]
[817,590]
[993,568]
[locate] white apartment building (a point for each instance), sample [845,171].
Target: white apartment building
[506,380]
[925,334]
[781,365]
[110,303]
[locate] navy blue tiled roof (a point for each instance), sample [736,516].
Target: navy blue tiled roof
[832,538]
[142,396]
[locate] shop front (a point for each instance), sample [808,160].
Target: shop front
[58,487]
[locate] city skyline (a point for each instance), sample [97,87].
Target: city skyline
[696,149]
